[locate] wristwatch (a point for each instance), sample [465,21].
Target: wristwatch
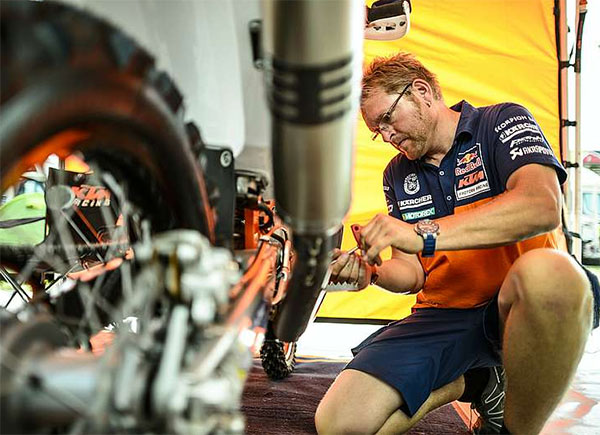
[429,230]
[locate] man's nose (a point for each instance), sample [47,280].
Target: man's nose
[386,135]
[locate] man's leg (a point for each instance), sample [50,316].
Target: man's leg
[399,422]
[545,307]
[358,403]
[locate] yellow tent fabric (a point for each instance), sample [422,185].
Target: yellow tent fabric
[483,51]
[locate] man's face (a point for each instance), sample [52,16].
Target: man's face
[409,126]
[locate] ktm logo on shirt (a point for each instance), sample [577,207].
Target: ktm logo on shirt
[471,179]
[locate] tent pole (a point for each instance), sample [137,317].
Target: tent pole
[563,57]
[567,153]
[578,157]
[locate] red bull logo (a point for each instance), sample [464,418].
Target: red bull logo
[467,158]
[469,161]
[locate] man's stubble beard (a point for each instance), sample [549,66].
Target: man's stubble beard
[421,133]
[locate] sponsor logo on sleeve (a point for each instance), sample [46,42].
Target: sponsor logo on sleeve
[517,129]
[510,120]
[415,202]
[390,205]
[532,149]
[411,184]
[419,214]
[526,139]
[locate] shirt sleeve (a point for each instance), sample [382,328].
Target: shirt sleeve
[390,195]
[518,141]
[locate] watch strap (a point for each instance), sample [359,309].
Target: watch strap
[428,245]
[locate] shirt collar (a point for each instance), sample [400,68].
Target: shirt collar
[468,118]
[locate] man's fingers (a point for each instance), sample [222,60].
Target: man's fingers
[355,269]
[370,226]
[350,271]
[372,255]
[375,232]
[362,277]
[345,273]
[339,264]
[372,233]
[362,271]
[378,261]
[371,250]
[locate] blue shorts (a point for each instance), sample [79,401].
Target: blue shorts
[433,346]
[429,349]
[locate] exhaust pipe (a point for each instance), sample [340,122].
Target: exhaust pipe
[313,61]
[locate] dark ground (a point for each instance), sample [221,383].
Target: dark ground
[288,406]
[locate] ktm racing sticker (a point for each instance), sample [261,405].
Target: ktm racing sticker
[91,196]
[471,176]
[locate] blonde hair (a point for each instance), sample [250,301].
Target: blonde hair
[393,73]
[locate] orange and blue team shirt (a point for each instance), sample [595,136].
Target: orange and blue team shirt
[489,145]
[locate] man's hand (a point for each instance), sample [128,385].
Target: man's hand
[383,231]
[349,268]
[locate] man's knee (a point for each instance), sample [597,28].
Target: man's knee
[332,418]
[356,403]
[550,280]
[328,421]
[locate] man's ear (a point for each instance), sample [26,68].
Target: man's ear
[423,90]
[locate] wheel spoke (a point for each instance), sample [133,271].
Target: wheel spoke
[61,277]
[14,293]
[18,289]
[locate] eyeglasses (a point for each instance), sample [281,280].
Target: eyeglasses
[387,116]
